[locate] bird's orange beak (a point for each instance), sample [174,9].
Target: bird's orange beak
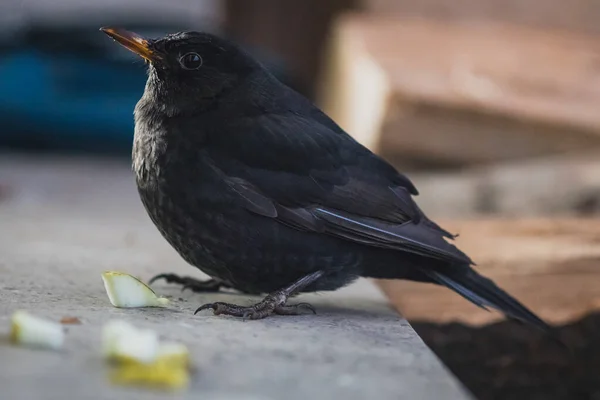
[132,41]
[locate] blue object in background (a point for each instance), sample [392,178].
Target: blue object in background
[71,89]
[68,101]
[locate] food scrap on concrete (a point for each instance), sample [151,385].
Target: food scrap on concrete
[139,358]
[126,291]
[31,331]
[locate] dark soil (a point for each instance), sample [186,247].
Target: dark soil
[508,360]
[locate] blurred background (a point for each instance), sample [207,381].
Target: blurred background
[491,106]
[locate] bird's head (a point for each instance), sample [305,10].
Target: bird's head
[188,67]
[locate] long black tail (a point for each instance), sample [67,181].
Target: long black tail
[485,293]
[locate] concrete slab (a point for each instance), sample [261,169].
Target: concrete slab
[64,221]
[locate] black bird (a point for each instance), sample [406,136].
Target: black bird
[258,188]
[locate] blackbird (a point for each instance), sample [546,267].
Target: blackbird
[258,188]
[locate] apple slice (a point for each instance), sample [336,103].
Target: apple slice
[126,291]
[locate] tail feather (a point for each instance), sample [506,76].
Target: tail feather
[484,293]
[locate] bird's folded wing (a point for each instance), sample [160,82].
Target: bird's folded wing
[316,178]
[410,236]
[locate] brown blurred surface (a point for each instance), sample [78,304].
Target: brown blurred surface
[551,265]
[456,93]
[576,15]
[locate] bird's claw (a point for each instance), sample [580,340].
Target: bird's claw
[170,278]
[195,285]
[214,307]
[206,307]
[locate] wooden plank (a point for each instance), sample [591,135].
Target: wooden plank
[512,70]
[462,92]
[551,265]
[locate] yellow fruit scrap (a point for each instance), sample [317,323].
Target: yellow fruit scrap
[159,374]
[140,359]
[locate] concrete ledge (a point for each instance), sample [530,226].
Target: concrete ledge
[63,222]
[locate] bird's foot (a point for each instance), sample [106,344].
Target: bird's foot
[274,303]
[195,285]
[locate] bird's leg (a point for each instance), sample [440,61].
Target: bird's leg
[274,303]
[195,285]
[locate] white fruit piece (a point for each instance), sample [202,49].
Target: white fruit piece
[126,291]
[32,331]
[124,343]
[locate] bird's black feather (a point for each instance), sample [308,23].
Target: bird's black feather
[484,293]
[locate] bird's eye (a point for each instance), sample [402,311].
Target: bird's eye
[190,61]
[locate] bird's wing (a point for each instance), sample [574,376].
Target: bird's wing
[305,172]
